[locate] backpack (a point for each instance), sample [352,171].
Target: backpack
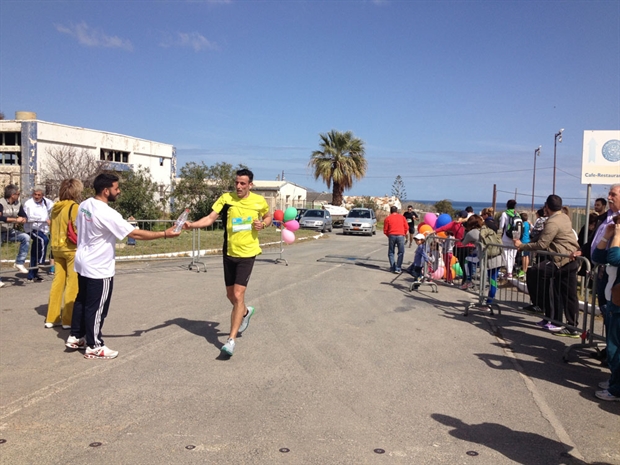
[514,228]
[489,236]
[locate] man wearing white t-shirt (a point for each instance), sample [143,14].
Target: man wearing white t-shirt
[99,227]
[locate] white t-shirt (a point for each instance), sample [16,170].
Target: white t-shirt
[38,214]
[99,226]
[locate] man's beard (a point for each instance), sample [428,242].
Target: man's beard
[112,198]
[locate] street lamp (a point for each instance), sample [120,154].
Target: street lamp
[536,154]
[558,138]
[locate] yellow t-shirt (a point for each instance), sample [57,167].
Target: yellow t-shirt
[240,238]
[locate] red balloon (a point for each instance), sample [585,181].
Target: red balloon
[278,215]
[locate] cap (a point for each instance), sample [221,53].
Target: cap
[463,214]
[419,236]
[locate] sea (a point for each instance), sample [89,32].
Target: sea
[477,206]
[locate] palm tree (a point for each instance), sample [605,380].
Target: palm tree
[340,161]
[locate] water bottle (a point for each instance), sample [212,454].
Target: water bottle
[178,224]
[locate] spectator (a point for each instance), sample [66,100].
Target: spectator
[472,236]
[600,205]
[552,284]
[525,255]
[12,213]
[488,215]
[37,210]
[508,252]
[608,251]
[470,211]
[65,282]
[457,229]
[416,269]
[603,221]
[395,227]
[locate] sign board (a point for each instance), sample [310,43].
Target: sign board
[600,163]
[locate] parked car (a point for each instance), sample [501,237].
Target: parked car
[360,221]
[321,220]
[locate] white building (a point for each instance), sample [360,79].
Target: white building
[281,194]
[26,142]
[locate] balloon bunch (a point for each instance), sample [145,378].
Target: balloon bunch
[431,222]
[289,223]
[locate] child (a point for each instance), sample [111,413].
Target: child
[416,269]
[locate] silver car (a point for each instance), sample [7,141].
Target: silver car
[360,221]
[321,220]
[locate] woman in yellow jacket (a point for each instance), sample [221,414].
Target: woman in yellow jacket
[66,279]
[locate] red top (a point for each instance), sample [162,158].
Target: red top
[395,225]
[457,229]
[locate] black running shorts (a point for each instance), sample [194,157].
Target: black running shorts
[237,270]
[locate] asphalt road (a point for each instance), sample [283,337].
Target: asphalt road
[341,364]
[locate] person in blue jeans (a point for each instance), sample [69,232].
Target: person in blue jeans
[395,227]
[608,251]
[11,214]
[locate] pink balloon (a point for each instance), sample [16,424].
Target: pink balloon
[430,219]
[438,273]
[288,236]
[292,225]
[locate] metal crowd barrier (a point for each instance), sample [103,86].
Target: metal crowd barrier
[560,294]
[194,245]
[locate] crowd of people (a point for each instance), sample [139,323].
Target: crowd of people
[544,254]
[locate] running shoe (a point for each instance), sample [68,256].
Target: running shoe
[20,267]
[520,274]
[229,347]
[75,343]
[567,333]
[553,328]
[606,395]
[532,309]
[246,320]
[542,323]
[604,385]
[102,353]
[466,285]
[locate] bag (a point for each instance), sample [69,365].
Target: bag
[514,228]
[71,234]
[487,237]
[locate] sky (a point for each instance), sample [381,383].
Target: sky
[453,96]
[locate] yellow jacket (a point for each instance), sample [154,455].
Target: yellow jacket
[59,223]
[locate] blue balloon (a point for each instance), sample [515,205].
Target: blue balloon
[443,220]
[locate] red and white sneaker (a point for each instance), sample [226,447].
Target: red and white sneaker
[100,352]
[75,343]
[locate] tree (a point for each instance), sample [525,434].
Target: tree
[398,189]
[339,162]
[67,162]
[201,185]
[444,206]
[137,199]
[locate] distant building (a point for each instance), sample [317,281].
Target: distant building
[26,143]
[281,194]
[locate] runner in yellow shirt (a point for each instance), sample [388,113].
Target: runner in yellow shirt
[244,214]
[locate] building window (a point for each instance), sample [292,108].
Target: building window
[114,155]
[11,138]
[10,158]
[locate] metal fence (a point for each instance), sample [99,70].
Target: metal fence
[194,245]
[563,297]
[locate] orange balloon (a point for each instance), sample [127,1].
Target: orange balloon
[442,234]
[425,229]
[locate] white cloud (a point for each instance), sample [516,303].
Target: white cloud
[94,37]
[192,39]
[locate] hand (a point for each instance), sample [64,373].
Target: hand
[170,232]
[518,243]
[575,254]
[20,220]
[258,225]
[186,225]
